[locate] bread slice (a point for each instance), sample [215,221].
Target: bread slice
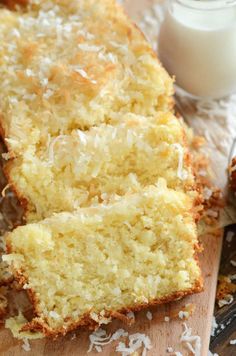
[72,65]
[136,252]
[91,166]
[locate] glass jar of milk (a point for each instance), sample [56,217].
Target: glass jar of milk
[197,44]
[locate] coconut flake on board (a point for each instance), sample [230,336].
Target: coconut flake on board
[131,315]
[233,263]
[137,341]
[214,326]
[183,314]
[26,345]
[211,354]
[149,315]
[228,299]
[192,342]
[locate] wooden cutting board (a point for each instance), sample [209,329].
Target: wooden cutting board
[162,334]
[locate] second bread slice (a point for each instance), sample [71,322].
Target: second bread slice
[93,166]
[82,267]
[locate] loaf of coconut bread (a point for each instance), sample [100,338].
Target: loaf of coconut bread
[99,162]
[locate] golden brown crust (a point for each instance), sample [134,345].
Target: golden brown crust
[3,312]
[6,169]
[22,199]
[6,281]
[39,325]
[2,131]
[198,201]
[11,4]
[3,303]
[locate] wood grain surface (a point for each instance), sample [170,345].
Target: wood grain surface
[162,334]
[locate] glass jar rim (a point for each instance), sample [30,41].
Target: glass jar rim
[209,5]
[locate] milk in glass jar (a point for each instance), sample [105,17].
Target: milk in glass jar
[197,44]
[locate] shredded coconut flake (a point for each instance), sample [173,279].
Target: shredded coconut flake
[98,348]
[229,236]
[54,314]
[5,189]
[207,193]
[233,263]
[15,33]
[233,342]
[29,73]
[214,326]
[228,299]
[136,341]
[82,137]
[6,156]
[117,291]
[26,286]
[192,342]
[202,172]
[26,345]
[149,315]
[84,74]
[89,48]
[131,315]
[211,354]
[212,213]
[183,314]
[100,318]
[51,147]
[181,173]
[166,318]
[99,338]
[48,94]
